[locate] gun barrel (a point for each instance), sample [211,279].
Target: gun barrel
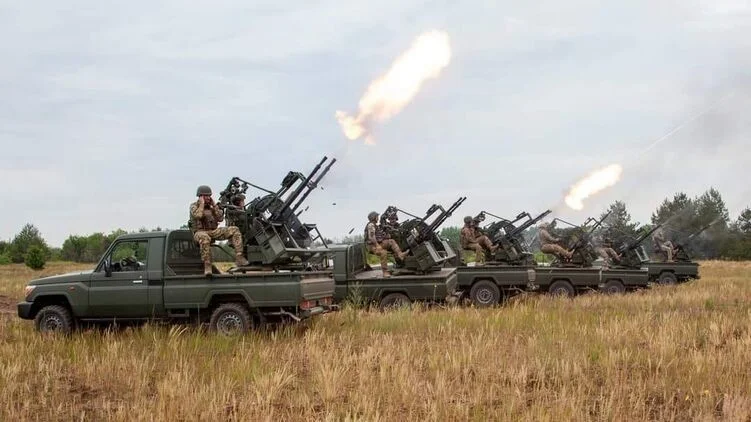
[528,224]
[296,193]
[313,185]
[446,214]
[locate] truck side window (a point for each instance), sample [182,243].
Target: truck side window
[129,256]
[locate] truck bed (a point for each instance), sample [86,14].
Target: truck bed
[264,289]
[434,286]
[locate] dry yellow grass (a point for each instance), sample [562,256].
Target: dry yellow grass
[672,353]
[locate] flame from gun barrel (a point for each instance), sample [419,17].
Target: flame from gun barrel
[390,93]
[595,182]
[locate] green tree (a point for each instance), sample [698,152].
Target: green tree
[35,257]
[28,236]
[617,225]
[743,223]
[451,233]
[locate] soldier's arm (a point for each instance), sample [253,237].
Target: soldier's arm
[546,237]
[218,214]
[371,233]
[196,211]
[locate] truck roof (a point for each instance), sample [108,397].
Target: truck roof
[146,234]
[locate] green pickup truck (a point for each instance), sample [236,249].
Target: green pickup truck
[159,275]
[357,281]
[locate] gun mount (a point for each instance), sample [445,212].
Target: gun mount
[427,250]
[508,235]
[578,240]
[681,247]
[272,231]
[632,252]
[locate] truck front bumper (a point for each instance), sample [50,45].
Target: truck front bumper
[24,310]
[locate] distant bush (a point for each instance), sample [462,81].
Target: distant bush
[5,259]
[35,258]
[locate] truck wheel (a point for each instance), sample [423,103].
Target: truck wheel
[667,278]
[54,318]
[562,288]
[613,287]
[394,300]
[485,293]
[230,319]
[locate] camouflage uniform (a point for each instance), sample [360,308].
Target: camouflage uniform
[236,215]
[470,239]
[662,245]
[205,226]
[378,244]
[606,252]
[548,244]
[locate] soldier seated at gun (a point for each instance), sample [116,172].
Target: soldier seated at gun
[205,217]
[235,212]
[471,239]
[378,242]
[549,243]
[607,253]
[662,246]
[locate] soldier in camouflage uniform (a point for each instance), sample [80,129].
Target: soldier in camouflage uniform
[379,243]
[660,244]
[549,243]
[205,217]
[608,254]
[235,213]
[472,240]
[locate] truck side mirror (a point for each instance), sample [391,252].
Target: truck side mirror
[107,268]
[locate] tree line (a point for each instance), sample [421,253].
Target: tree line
[702,223]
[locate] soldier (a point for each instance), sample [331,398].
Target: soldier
[236,213]
[205,217]
[378,243]
[661,245]
[549,243]
[605,251]
[472,240]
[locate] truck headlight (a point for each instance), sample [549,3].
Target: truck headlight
[27,291]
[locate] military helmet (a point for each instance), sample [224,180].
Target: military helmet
[544,225]
[372,215]
[203,190]
[467,220]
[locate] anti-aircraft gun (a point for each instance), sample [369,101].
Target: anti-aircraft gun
[579,242]
[427,251]
[680,247]
[632,252]
[272,232]
[508,236]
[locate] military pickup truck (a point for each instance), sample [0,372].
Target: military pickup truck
[357,281]
[159,275]
[491,284]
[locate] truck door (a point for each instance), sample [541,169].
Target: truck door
[119,285]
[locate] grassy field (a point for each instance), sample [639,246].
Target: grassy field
[670,353]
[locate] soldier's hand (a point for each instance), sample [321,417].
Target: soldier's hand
[201,201]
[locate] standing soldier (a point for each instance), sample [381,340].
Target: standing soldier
[205,217]
[472,240]
[378,244]
[661,245]
[549,243]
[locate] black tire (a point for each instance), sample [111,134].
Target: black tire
[394,300]
[485,293]
[614,287]
[667,278]
[54,319]
[230,319]
[562,288]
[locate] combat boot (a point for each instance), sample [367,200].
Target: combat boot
[207,269]
[240,260]
[403,255]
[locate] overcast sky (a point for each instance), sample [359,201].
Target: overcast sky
[112,114]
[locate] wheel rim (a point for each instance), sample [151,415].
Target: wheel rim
[52,322]
[561,291]
[229,323]
[485,296]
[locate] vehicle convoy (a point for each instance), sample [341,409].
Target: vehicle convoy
[681,269]
[420,277]
[512,270]
[159,275]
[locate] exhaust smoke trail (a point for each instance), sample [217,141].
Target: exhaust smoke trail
[592,184]
[390,93]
